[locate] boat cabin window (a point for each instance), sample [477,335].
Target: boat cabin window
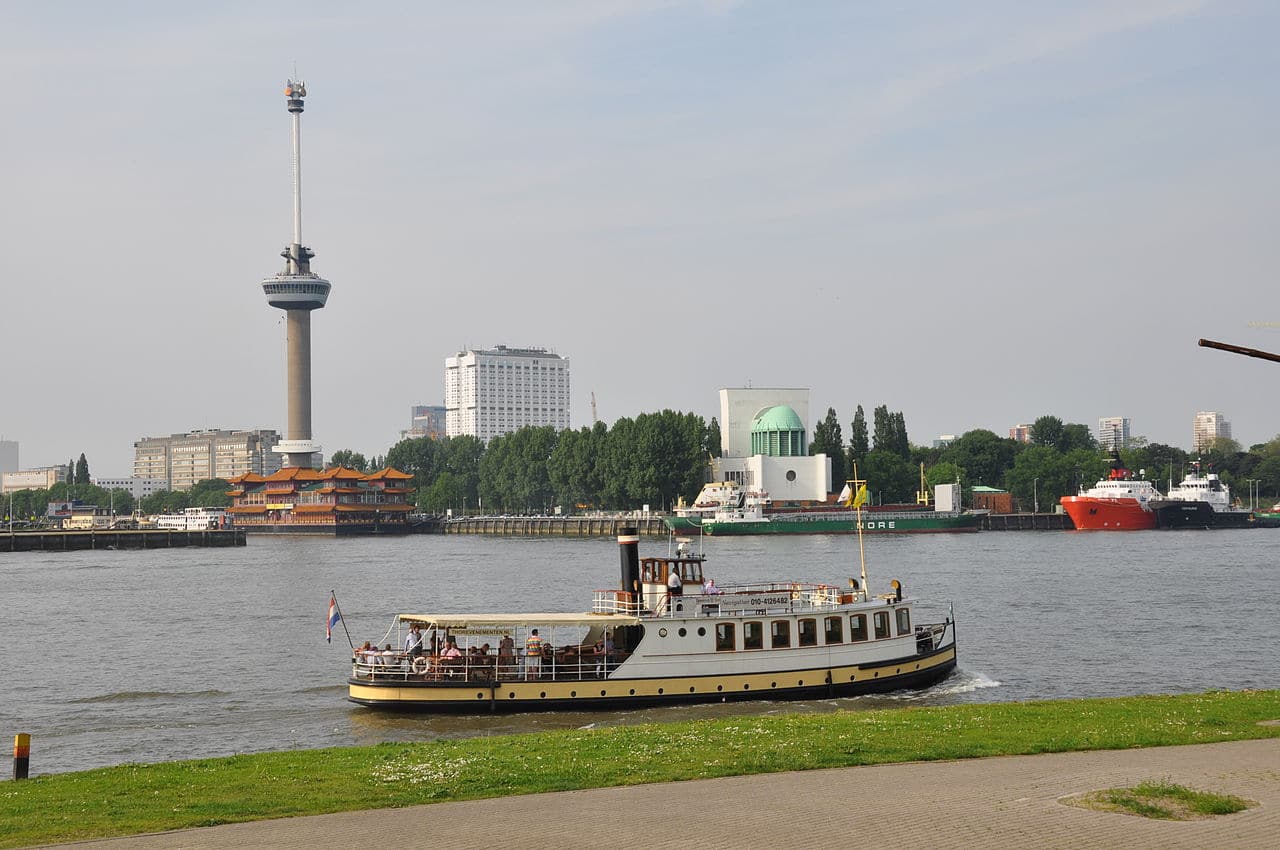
[904,621]
[881,620]
[753,635]
[781,634]
[834,630]
[808,632]
[725,641]
[857,627]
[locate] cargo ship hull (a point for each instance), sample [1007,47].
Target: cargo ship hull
[826,523]
[1100,514]
[1187,514]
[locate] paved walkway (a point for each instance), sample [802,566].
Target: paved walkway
[999,802]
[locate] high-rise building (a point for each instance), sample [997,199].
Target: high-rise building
[487,393]
[1021,433]
[1113,433]
[187,459]
[139,488]
[1208,426]
[297,291]
[425,420]
[9,456]
[40,478]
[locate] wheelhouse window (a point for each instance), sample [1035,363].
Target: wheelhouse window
[881,620]
[904,621]
[808,632]
[781,634]
[835,631]
[753,635]
[725,639]
[857,627]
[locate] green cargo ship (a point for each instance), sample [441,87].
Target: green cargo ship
[831,522]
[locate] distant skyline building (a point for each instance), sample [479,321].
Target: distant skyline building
[1113,433]
[1207,427]
[139,488]
[944,440]
[487,393]
[1021,433]
[297,291]
[40,478]
[9,456]
[425,420]
[187,459]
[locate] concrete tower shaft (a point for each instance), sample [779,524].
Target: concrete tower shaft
[297,291]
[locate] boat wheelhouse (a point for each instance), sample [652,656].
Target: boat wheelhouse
[643,644]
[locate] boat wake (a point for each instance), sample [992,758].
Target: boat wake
[963,682]
[134,696]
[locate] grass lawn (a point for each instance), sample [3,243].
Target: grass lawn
[134,798]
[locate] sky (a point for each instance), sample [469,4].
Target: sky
[976,214]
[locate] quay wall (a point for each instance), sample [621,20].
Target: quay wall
[558,526]
[1028,522]
[149,538]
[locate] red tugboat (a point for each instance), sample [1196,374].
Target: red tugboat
[1119,502]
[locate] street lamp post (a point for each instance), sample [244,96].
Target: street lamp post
[1035,495]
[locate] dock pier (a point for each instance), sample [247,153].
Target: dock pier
[117,538]
[556,526]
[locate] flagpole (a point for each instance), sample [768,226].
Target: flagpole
[858,496]
[341,618]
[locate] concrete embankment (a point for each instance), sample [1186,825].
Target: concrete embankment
[149,538]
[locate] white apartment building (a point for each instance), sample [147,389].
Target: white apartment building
[187,459]
[1113,433]
[1208,426]
[139,488]
[487,393]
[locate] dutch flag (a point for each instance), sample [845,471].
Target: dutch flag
[334,616]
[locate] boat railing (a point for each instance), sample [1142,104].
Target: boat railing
[615,602]
[568,663]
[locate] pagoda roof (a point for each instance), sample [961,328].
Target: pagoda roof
[293,473]
[388,472]
[342,472]
[247,478]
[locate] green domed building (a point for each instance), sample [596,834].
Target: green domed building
[778,432]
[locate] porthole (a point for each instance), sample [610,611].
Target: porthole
[631,692]
[543,695]
[719,687]
[691,689]
[791,475]
[800,683]
[853,678]
[662,632]
[573,693]
[602,693]
[746,687]
[899,670]
[875,675]
[917,666]
[682,632]
[480,695]
[702,631]
[511,695]
[660,690]
[773,684]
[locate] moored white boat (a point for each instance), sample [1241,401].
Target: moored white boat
[642,645]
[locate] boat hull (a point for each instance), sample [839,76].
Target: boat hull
[1090,513]
[1187,514]
[818,523]
[913,672]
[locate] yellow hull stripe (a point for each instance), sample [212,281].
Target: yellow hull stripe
[516,691]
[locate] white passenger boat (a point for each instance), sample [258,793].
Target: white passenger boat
[642,645]
[193,519]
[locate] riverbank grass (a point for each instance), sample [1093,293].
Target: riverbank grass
[131,799]
[1162,800]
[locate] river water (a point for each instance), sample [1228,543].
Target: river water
[128,656]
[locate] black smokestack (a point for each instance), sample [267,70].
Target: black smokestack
[629,551]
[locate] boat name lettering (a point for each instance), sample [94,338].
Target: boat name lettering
[753,600]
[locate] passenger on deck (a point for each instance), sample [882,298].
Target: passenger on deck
[506,654]
[709,587]
[413,642]
[675,587]
[533,655]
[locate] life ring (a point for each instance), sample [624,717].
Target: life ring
[420,665]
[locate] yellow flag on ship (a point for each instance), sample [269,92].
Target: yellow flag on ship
[861,498]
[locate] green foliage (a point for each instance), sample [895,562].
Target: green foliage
[165,502]
[890,478]
[1050,431]
[713,438]
[350,459]
[859,445]
[130,799]
[890,432]
[983,456]
[210,493]
[1163,800]
[828,440]
[943,472]
[82,470]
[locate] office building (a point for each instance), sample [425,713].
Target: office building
[1207,427]
[1113,433]
[139,488]
[487,393]
[764,445]
[40,478]
[1021,433]
[425,420]
[187,459]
